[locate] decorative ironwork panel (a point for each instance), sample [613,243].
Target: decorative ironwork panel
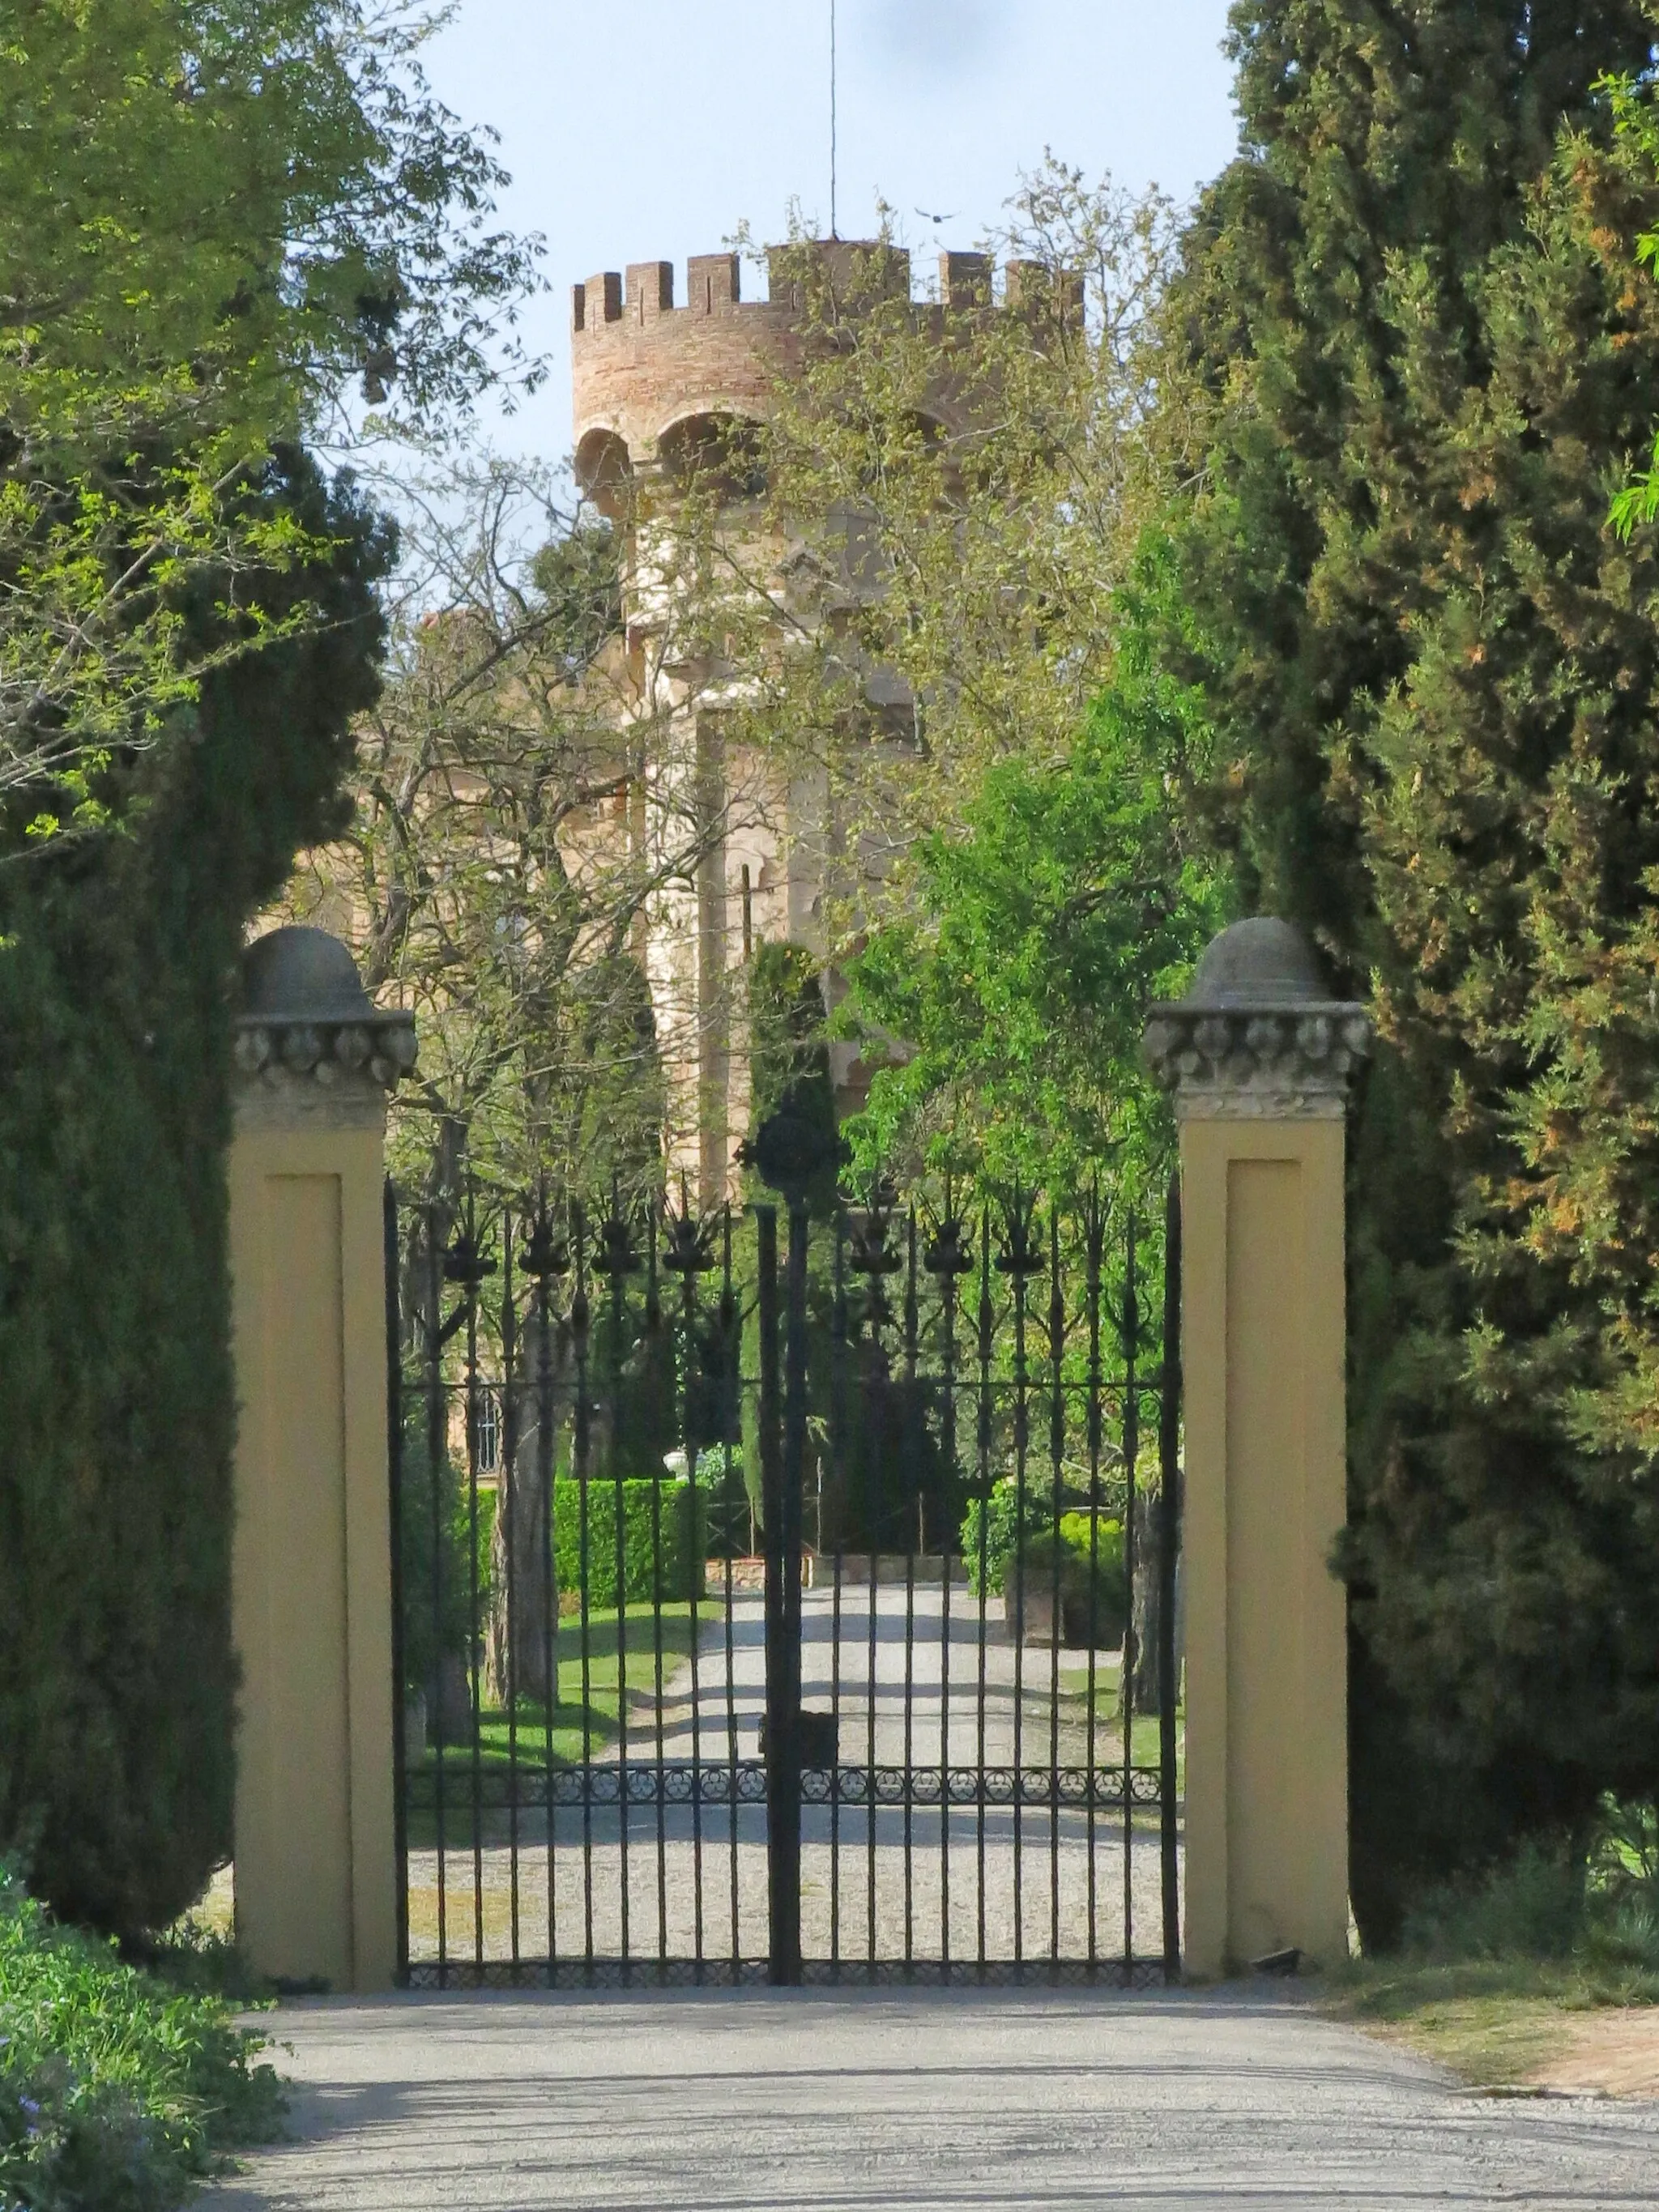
[785,1594]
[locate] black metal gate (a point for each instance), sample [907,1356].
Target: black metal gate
[782,1615]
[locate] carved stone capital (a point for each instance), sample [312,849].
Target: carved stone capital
[1257,1037]
[311,1050]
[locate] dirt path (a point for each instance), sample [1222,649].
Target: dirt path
[1615,2053]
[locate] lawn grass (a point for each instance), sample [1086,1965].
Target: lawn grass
[580,1728]
[1144,1735]
[577,1729]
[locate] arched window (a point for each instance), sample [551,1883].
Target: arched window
[719,452]
[603,471]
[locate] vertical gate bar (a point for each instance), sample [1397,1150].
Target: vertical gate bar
[1169,1459]
[544,1491]
[1127,1668]
[779,1731]
[790,1533]
[768,1421]
[985,1331]
[507,1500]
[1018,1255]
[473,1622]
[696,1547]
[581,1451]
[874,1508]
[870,1790]
[838,1496]
[394,1444]
[1056,1457]
[947,1281]
[913,1535]
[869,1434]
[1096,1248]
[834,1768]
[653,1324]
[437,1456]
[619,1532]
[731,1408]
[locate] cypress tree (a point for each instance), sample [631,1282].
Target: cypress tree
[1436,676]
[789,1063]
[118,969]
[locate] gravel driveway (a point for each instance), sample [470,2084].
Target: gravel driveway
[821,2101]
[909,1677]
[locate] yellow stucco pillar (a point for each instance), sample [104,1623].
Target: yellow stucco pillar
[316,1871]
[1260,1058]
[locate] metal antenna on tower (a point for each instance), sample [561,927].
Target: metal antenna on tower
[832,119]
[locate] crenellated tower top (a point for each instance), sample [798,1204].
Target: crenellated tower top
[646,373]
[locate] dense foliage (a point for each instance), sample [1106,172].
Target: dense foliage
[1012,1534]
[1435,673]
[1076,893]
[213,214]
[116,1401]
[663,1540]
[116,2091]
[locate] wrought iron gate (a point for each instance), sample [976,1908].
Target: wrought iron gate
[782,1615]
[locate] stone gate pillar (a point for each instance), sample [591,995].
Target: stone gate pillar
[1259,1058]
[316,1872]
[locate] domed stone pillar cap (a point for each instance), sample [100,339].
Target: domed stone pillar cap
[1258,1035]
[311,1046]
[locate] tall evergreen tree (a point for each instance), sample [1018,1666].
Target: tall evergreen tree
[117,989]
[1437,686]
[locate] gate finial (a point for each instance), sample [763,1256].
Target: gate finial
[1258,1035]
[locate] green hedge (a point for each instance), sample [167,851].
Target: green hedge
[665,1534]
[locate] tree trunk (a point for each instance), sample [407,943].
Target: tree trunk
[523,1600]
[1137,1688]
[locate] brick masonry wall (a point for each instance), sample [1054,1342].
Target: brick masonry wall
[640,363]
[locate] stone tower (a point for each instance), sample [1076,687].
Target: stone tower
[653,385]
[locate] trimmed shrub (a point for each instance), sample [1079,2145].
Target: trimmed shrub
[1090,1544]
[665,1533]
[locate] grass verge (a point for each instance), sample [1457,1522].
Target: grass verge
[117,2090]
[1493,2023]
[1496,1973]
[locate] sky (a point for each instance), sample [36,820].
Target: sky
[648,130]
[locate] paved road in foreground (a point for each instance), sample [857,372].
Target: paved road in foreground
[821,2101]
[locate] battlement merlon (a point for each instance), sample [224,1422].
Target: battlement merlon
[641,364]
[715,282]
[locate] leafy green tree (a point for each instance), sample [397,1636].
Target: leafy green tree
[1409,309]
[1077,893]
[946,496]
[213,215]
